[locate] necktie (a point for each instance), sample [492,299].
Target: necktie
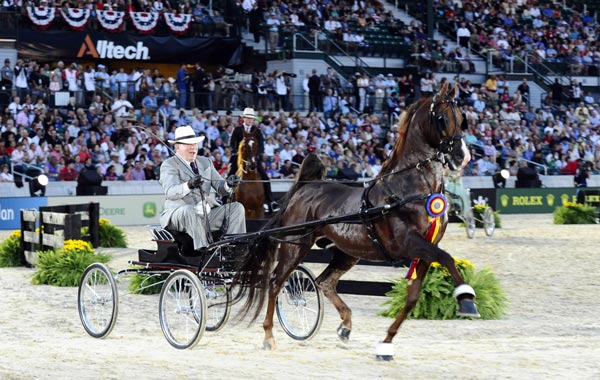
[194,168]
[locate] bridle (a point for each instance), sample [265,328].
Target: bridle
[248,164]
[440,119]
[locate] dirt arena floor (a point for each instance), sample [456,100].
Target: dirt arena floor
[551,331]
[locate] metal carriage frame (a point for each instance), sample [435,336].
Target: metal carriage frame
[459,200]
[196,294]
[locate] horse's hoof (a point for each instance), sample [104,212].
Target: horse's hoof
[384,352]
[467,308]
[343,333]
[268,345]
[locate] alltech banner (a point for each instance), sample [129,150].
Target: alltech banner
[537,201]
[70,46]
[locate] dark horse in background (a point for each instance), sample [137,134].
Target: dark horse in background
[251,191]
[408,187]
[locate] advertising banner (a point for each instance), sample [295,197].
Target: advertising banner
[533,201]
[10,210]
[88,45]
[121,210]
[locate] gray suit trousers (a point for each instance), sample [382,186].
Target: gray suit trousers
[186,219]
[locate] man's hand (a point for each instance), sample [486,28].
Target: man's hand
[195,183]
[233,181]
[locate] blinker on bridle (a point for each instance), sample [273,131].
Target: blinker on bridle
[446,142]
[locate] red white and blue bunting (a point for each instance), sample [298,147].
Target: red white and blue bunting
[77,18]
[112,21]
[42,17]
[178,23]
[144,22]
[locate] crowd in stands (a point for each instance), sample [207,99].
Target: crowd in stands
[123,138]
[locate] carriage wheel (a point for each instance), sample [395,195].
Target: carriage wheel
[98,300]
[470,223]
[182,309]
[489,224]
[218,305]
[300,305]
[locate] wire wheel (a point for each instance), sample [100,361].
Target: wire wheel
[299,305]
[469,223]
[218,304]
[98,300]
[182,309]
[489,224]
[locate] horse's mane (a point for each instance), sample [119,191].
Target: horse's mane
[403,123]
[311,169]
[240,159]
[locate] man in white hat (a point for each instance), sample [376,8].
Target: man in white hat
[186,179]
[248,118]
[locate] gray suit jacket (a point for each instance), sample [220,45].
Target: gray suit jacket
[173,178]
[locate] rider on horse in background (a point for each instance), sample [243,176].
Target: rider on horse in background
[248,118]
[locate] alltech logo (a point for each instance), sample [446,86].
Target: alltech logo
[108,49]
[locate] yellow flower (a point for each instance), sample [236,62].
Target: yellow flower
[15,235]
[103,221]
[77,245]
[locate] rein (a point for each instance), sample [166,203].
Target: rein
[445,146]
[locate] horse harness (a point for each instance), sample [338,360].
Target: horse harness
[369,213]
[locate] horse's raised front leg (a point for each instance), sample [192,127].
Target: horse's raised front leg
[464,293]
[327,282]
[385,349]
[290,257]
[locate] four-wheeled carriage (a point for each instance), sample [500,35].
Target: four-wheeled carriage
[196,290]
[459,202]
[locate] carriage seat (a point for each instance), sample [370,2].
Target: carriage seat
[173,247]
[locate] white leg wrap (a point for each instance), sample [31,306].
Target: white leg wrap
[463,289]
[384,349]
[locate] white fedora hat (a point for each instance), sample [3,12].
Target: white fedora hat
[249,112]
[186,135]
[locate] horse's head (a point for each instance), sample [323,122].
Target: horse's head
[248,153]
[447,124]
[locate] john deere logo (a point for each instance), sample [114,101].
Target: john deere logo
[504,200]
[149,210]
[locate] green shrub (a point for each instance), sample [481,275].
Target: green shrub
[436,300]
[10,250]
[575,213]
[64,267]
[110,236]
[146,284]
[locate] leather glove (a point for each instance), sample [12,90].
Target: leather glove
[233,181]
[195,183]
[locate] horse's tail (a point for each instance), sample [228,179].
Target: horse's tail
[254,275]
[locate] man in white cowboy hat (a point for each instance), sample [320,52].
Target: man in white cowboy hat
[248,118]
[186,179]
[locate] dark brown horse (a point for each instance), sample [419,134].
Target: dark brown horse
[250,192]
[407,193]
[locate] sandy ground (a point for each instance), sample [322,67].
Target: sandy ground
[551,331]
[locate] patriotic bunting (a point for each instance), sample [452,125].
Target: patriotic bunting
[77,18]
[144,22]
[42,17]
[112,21]
[178,23]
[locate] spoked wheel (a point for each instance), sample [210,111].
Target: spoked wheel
[98,300]
[300,305]
[218,305]
[470,223]
[489,224]
[182,309]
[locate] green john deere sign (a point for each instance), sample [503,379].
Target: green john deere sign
[533,201]
[149,210]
